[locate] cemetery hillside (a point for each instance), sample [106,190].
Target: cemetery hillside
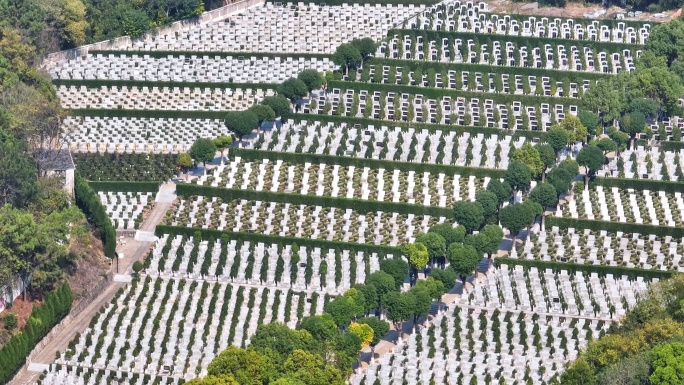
[356,192]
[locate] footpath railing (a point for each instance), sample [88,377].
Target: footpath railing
[127,42]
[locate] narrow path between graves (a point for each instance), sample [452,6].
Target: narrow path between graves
[45,354]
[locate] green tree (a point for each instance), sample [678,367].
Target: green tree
[293,89]
[263,113]
[134,22]
[633,124]
[544,194]
[321,327]
[214,380]
[422,301]
[246,366]
[528,155]
[561,180]
[606,145]
[515,217]
[479,241]
[659,84]
[469,214]
[592,158]
[222,143]
[365,46]
[518,176]
[590,120]
[398,308]
[548,157]
[620,138]
[450,233]
[417,254]
[278,341]
[667,361]
[241,123]
[397,268]
[645,106]
[137,267]
[494,236]
[383,283]
[606,99]
[490,205]
[364,331]
[463,259]
[380,328]
[280,105]
[346,56]
[446,276]
[312,79]
[435,243]
[203,150]
[502,190]
[18,173]
[557,138]
[370,294]
[580,373]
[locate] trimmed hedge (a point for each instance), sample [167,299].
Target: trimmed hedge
[257,155]
[89,202]
[358,205]
[528,134]
[614,227]
[639,184]
[211,54]
[601,270]
[158,114]
[435,93]
[99,83]
[572,76]
[55,307]
[143,187]
[671,145]
[609,22]
[518,40]
[275,239]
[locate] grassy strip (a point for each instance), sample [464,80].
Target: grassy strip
[344,161]
[210,54]
[158,114]
[358,205]
[613,227]
[572,76]
[639,184]
[518,40]
[207,234]
[99,83]
[420,126]
[436,93]
[143,187]
[601,270]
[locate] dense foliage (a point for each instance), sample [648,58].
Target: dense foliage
[88,201]
[646,347]
[125,167]
[55,307]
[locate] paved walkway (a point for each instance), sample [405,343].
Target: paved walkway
[135,251]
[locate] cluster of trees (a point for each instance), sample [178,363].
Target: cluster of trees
[352,54]
[52,25]
[650,92]
[56,306]
[317,352]
[646,348]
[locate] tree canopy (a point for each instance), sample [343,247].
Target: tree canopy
[311,78]
[203,150]
[469,214]
[346,56]
[528,155]
[279,104]
[241,123]
[293,89]
[518,176]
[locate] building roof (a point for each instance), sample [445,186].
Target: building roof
[55,159]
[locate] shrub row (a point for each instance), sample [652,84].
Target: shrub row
[257,155]
[207,234]
[639,184]
[152,187]
[518,40]
[99,83]
[358,205]
[572,76]
[55,307]
[436,93]
[211,54]
[612,23]
[601,270]
[613,227]
[89,202]
[420,126]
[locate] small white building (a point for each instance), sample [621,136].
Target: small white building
[59,163]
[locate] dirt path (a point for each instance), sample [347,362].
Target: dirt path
[133,250]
